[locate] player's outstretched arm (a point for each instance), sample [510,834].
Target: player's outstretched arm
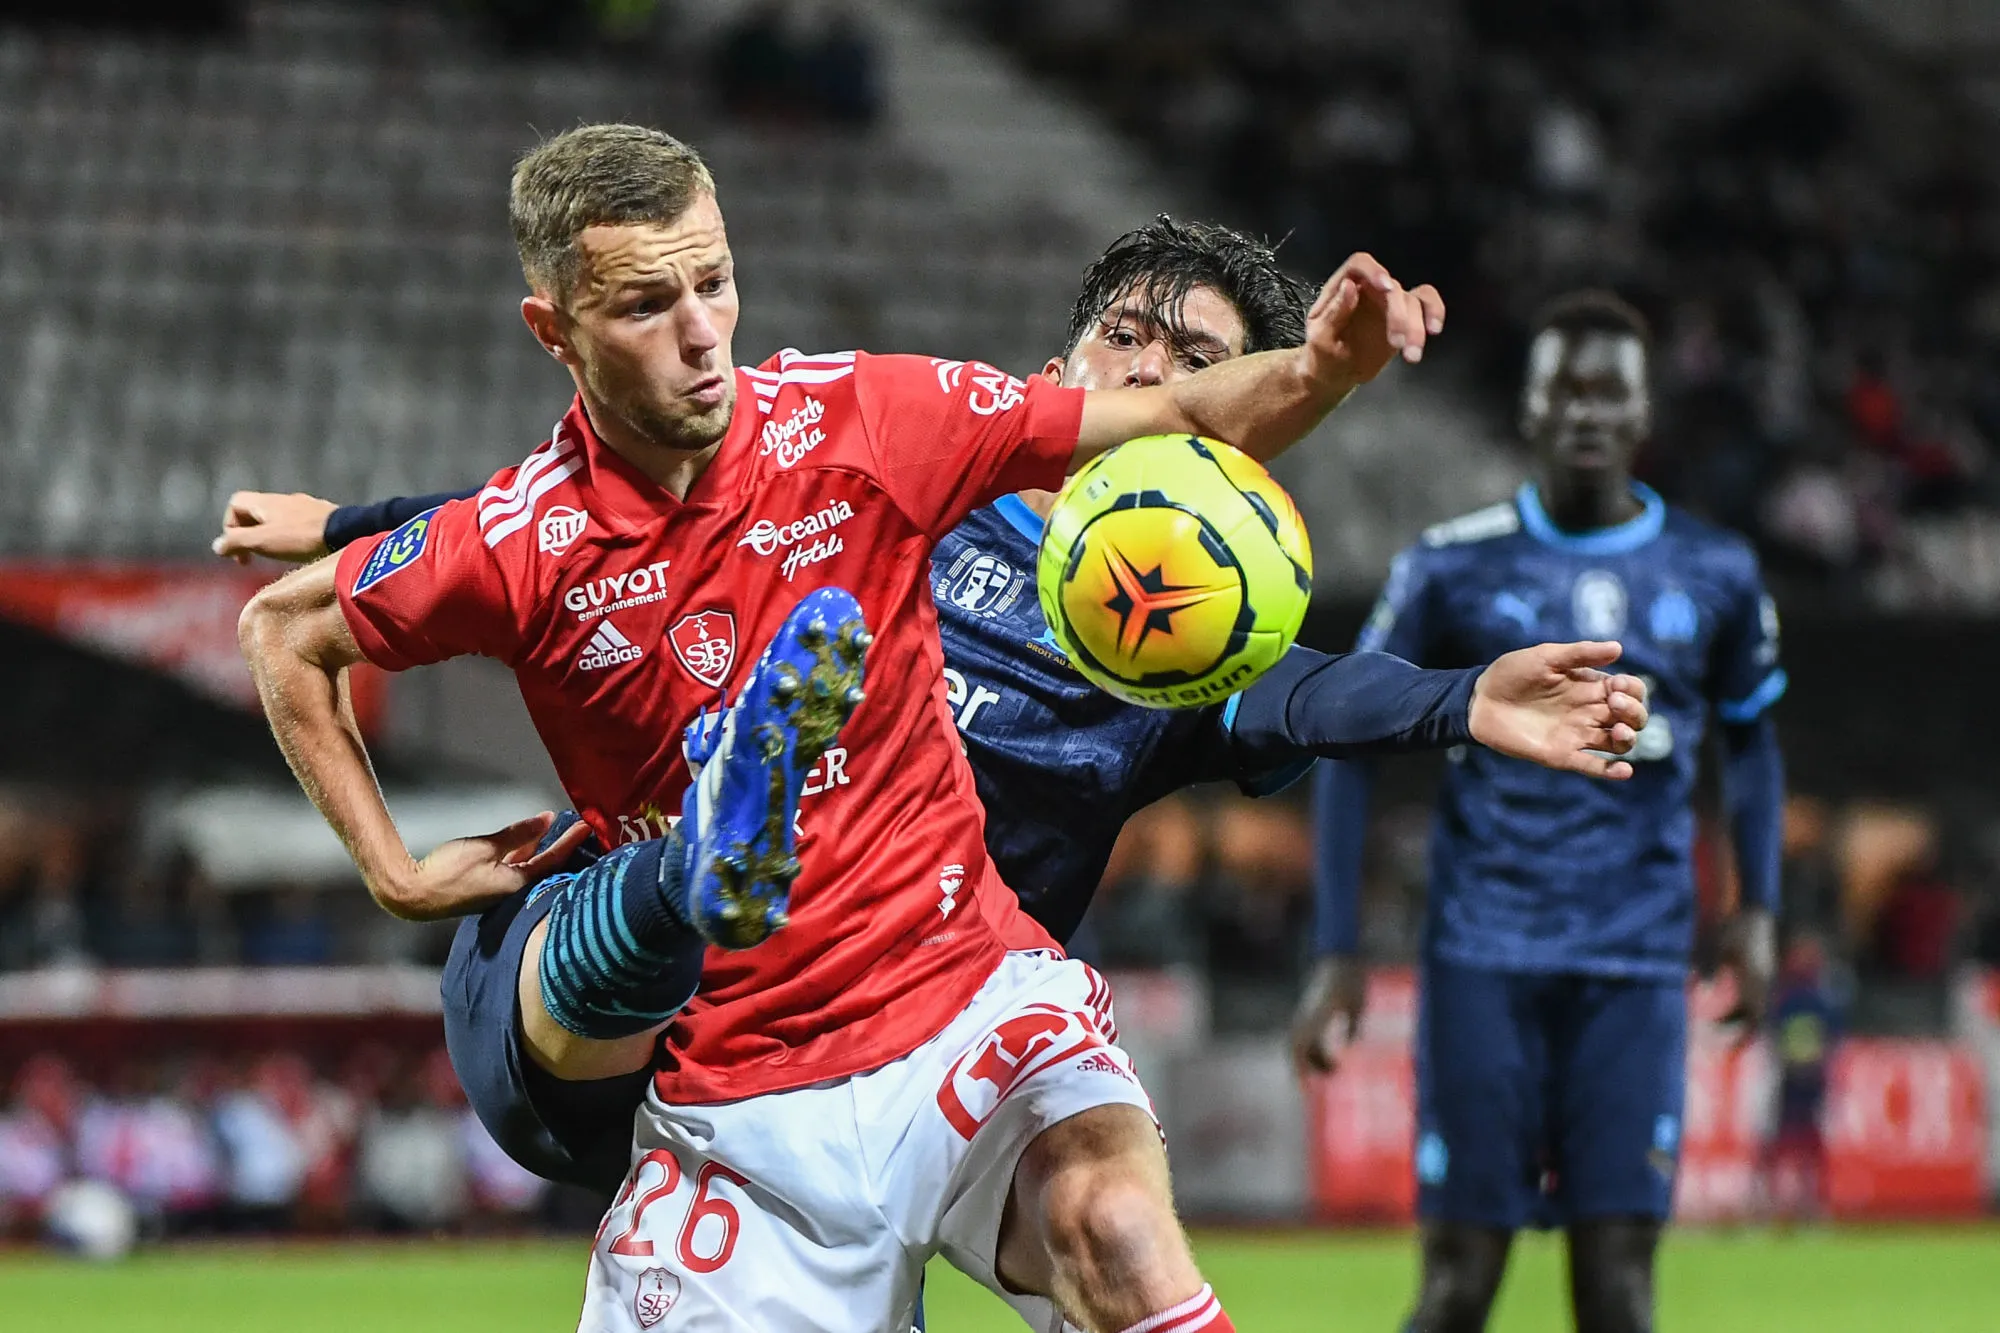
[1266,402]
[298,645]
[298,527]
[291,527]
[1554,705]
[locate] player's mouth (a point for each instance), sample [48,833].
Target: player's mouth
[709,392]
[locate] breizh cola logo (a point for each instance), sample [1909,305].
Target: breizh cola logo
[768,538]
[797,435]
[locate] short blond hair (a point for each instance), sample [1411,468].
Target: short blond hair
[596,175]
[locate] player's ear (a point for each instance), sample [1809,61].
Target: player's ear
[545,320]
[1053,371]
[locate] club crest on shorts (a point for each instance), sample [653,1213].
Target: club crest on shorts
[655,1296]
[705,643]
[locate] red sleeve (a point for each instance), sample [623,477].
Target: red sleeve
[427,591]
[948,436]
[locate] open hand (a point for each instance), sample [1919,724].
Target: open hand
[469,875]
[283,527]
[1363,319]
[1553,705]
[1329,1014]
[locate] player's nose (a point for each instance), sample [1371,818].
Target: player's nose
[1149,366]
[698,333]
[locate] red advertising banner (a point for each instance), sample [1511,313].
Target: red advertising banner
[179,619]
[1905,1126]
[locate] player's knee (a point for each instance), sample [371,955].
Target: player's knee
[1462,1269]
[1107,1219]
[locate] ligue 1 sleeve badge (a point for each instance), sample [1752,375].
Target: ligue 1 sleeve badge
[396,551]
[705,643]
[657,1292]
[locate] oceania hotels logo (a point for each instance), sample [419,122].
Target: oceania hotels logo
[768,538]
[608,648]
[797,435]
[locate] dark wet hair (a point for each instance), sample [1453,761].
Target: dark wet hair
[1165,260]
[1593,311]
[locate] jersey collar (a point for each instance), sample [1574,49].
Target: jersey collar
[630,495]
[1025,520]
[1627,536]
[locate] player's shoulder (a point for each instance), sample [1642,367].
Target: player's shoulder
[1467,537]
[537,504]
[1489,524]
[817,374]
[1717,550]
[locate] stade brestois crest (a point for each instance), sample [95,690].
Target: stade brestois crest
[1174,571]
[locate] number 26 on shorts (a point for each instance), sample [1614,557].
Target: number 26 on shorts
[657,1176]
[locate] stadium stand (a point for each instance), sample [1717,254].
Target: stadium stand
[217,260]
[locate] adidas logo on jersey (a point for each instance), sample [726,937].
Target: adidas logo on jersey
[608,648]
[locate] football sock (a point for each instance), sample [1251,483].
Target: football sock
[1199,1313]
[619,956]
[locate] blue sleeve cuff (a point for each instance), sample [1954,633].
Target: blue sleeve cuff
[1752,705]
[1271,781]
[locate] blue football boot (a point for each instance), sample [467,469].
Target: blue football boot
[739,819]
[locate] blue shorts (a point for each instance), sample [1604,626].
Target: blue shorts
[1547,1100]
[579,1133]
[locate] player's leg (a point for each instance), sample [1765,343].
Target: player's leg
[1090,1224]
[562,1121]
[1611,1274]
[1620,1075]
[1482,1056]
[1035,1165]
[1462,1268]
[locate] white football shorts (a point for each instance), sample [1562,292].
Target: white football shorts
[815,1209]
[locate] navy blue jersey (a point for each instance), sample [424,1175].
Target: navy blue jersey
[1060,764]
[1534,870]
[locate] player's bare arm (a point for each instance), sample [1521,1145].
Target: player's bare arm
[291,527]
[1553,704]
[1264,403]
[298,645]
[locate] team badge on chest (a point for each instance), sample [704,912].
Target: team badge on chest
[705,643]
[1597,604]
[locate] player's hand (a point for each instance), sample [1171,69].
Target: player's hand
[1750,952]
[284,527]
[469,875]
[1329,1013]
[1553,705]
[1363,320]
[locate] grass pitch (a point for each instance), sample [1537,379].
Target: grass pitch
[1863,1281]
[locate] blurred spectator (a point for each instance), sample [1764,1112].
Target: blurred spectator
[1805,1025]
[502,1189]
[1143,916]
[37,1140]
[150,1139]
[410,1173]
[265,1163]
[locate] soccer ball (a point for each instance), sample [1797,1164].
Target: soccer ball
[91,1219]
[1174,571]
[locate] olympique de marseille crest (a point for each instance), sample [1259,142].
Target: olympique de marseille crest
[705,643]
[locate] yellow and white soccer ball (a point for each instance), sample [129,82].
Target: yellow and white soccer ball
[1174,571]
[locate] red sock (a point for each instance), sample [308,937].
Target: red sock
[1199,1313]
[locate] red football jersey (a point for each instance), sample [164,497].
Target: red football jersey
[624,611]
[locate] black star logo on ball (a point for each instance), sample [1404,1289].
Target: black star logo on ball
[1145,602]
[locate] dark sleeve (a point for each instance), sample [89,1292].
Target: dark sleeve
[1340,828]
[353,522]
[1347,706]
[1753,787]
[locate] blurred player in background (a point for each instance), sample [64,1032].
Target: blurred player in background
[1805,1032]
[1551,1046]
[909,1005]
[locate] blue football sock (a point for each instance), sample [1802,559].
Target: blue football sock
[619,956]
